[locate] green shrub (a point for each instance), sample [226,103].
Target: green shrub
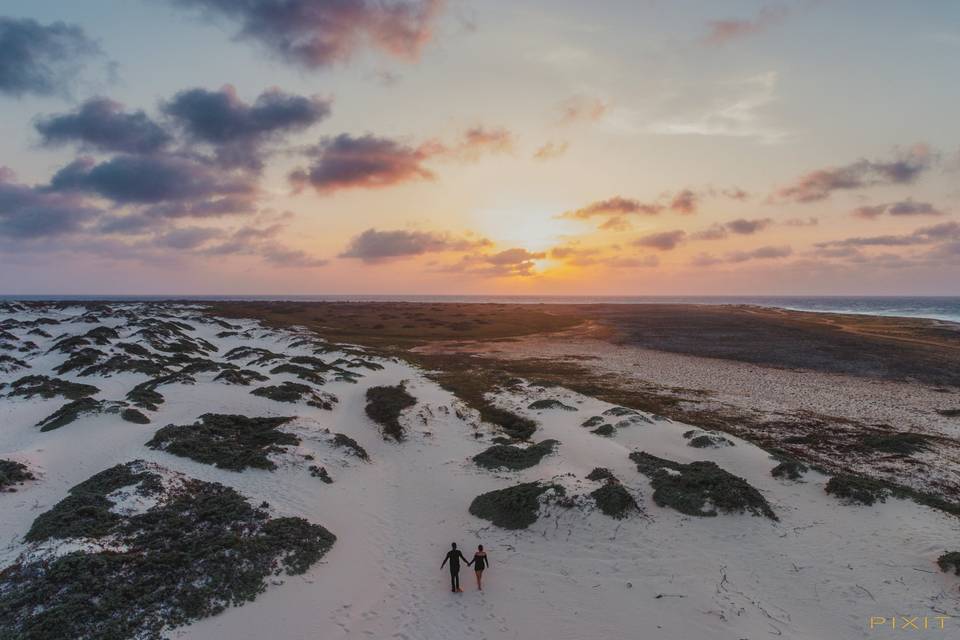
[384,406]
[690,488]
[789,469]
[226,441]
[906,443]
[541,405]
[514,458]
[296,392]
[514,507]
[614,500]
[950,560]
[605,430]
[600,473]
[593,421]
[12,473]
[200,549]
[513,425]
[47,388]
[857,489]
[341,440]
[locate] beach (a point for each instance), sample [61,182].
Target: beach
[577,404]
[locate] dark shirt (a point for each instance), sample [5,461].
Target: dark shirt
[480,561]
[454,556]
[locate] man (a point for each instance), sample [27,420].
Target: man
[454,556]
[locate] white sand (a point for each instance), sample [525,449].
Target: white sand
[820,573]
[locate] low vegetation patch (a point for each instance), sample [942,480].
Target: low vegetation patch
[700,488]
[857,489]
[135,416]
[76,409]
[514,507]
[593,421]
[505,456]
[706,439]
[605,430]
[341,440]
[950,561]
[296,392]
[47,388]
[199,549]
[384,406]
[613,500]
[541,405]
[241,377]
[231,442]
[301,372]
[600,473]
[320,472]
[899,443]
[13,473]
[513,425]
[789,470]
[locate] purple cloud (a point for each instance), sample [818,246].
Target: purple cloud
[40,59]
[100,124]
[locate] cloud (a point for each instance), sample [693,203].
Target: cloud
[582,109]
[187,237]
[319,33]
[736,257]
[550,150]
[685,201]
[923,235]
[101,124]
[737,112]
[735,193]
[237,130]
[802,222]
[131,179]
[574,255]
[720,32]
[40,59]
[30,212]
[662,241]
[745,227]
[818,185]
[377,246]
[480,140]
[713,232]
[261,242]
[510,262]
[908,207]
[346,162]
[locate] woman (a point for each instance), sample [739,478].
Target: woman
[480,563]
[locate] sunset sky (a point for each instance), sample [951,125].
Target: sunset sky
[494,147]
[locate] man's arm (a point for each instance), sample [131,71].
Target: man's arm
[445,558]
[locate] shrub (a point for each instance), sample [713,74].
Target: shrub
[594,421]
[690,488]
[47,388]
[134,416]
[341,440]
[950,560]
[541,405]
[605,430]
[384,406]
[13,472]
[514,458]
[515,426]
[242,377]
[906,443]
[514,507]
[614,500]
[295,392]
[706,439]
[789,469]
[600,473]
[320,472]
[231,442]
[857,489]
[200,549]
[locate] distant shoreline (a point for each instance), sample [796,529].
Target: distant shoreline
[942,308]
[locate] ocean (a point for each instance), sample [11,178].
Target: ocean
[933,307]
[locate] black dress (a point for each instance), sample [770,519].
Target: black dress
[480,561]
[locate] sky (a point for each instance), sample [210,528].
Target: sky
[617,147]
